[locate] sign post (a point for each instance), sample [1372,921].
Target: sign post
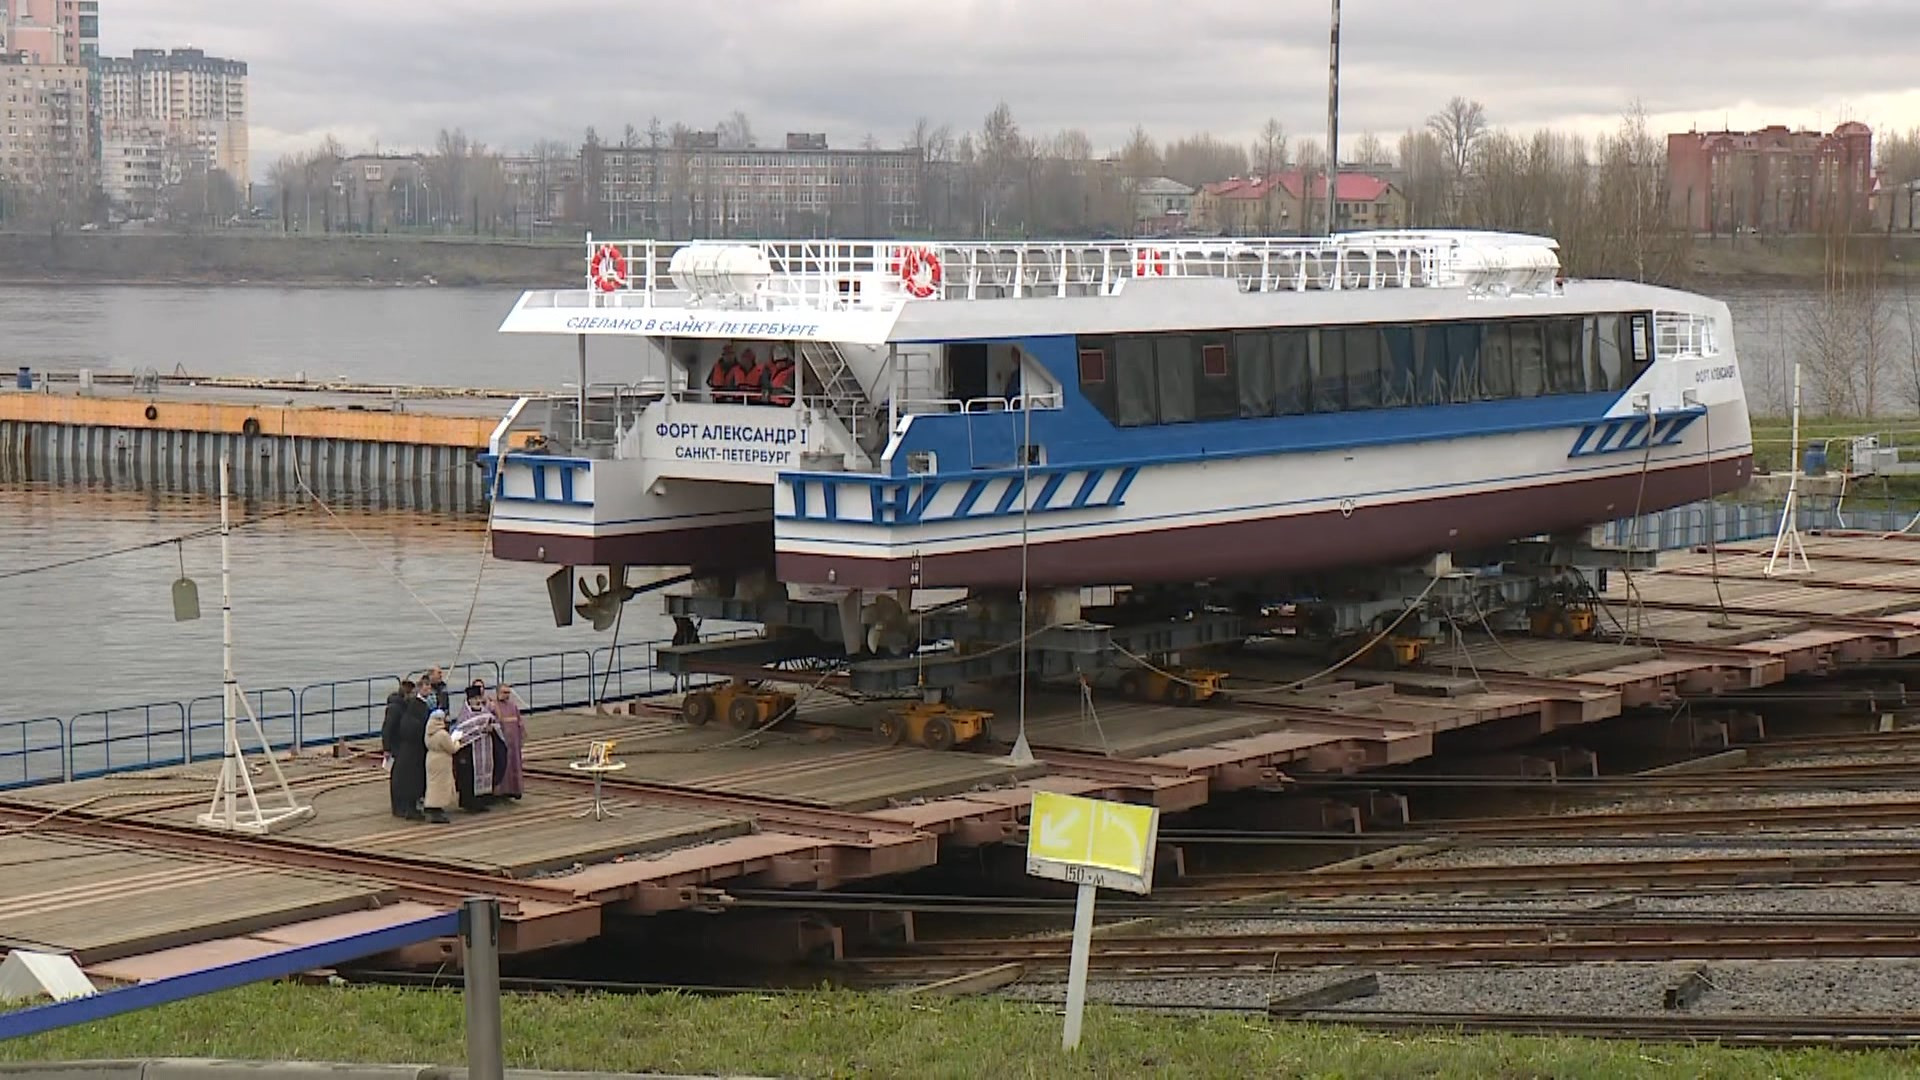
[1094,844]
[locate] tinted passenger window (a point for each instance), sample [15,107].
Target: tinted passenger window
[1293,381]
[1253,373]
[1175,370]
[1135,401]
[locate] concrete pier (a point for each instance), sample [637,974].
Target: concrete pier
[380,447]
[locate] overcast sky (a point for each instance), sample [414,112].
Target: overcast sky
[512,71]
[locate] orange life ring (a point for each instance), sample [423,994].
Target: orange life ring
[608,269]
[920,272]
[1149,263]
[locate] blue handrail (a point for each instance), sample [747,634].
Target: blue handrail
[98,742]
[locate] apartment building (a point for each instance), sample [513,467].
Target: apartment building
[43,43]
[43,132]
[696,188]
[50,31]
[1772,181]
[180,107]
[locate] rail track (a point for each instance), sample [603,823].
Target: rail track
[1647,875]
[1859,1032]
[1552,942]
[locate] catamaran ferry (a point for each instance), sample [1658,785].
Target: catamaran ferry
[880,415]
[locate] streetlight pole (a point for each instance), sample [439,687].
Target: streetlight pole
[1333,116]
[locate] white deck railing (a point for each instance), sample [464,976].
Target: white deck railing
[1679,334]
[881,274]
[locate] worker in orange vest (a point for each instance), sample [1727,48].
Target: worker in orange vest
[780,379]
[723,381]
[751,379]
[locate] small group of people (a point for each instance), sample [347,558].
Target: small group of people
[740,378]
[437,759]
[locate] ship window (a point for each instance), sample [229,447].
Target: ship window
[1329,371]
[1463,360]
[1398,385]
[1608,363]
[1529,359]
[1254,374]
[1093,366]
[1216,396]
[1496,363]
[1173,362]
[1364,366]
[1292,373]
[1431,375]
[1564,372]
[1134,397]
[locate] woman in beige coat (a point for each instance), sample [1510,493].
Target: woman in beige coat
[441,792]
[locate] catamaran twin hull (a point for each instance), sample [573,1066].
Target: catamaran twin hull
[1217,423]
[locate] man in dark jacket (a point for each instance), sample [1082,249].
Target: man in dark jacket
[403,736]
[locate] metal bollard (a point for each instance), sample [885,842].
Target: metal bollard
[480,933]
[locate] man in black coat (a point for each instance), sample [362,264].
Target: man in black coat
[403,735]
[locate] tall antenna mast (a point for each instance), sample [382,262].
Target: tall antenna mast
[1022,752]
[226,812]
[1333,116]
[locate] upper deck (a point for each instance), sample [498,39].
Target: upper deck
[853,290]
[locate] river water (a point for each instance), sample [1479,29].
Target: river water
[315,600]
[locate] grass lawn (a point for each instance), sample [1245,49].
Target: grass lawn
[1773,442]
[835,1035]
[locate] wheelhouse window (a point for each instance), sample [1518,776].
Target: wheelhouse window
[1141,379]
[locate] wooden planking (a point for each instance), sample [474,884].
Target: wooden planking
[817,768]
[352,813]
[1537,658]
[1779,597]
[75,894]
[1669,627]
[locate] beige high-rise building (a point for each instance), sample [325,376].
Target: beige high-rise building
[43,134]
[166,114]
[46,48]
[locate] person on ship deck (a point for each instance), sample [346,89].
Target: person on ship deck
[723,379]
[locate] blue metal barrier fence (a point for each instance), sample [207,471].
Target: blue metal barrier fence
[49,749]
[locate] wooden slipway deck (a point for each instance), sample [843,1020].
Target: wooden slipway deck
[115,870]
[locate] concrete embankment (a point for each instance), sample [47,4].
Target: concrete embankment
[387,450]
[274,259]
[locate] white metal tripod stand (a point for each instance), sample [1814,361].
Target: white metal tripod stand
[236,805]
[1787,540]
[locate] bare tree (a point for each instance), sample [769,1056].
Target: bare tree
[1426,181]
[1370,151]
[1003,155]
[1308,155]
[1198,159]
[937,171]
[448,167]
[1459,126]
[736,132]
[1269,151]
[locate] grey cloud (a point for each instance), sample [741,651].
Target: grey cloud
[510,71]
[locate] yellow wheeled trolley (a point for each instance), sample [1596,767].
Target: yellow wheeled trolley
[934,726]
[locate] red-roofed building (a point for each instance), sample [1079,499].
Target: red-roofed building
[1275,205]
